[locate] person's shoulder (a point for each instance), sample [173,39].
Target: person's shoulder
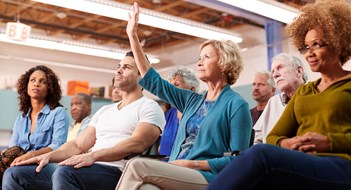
[146,100]
[148,103]
[57,109]
[308,87]
[275,97]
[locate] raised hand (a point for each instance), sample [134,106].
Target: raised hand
[133,19]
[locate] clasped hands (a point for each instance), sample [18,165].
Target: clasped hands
[311,142]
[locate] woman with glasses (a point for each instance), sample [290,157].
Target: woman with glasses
[310,144]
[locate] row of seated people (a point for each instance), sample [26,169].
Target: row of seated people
[307,126]
[310,140]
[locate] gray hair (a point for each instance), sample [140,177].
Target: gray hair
[293,61]
[269,76]
[188,77]
[85,97]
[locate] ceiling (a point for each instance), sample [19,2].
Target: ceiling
[60,22]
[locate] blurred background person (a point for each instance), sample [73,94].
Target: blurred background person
[262,89]
[81,114]
[184,79]
[116,96]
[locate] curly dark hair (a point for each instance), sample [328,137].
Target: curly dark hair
[54,90]
[332,19]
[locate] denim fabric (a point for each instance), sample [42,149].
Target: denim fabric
[51,130]
[25,177]
[266,166]
[97,176]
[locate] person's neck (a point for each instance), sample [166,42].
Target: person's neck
[261,105]
[37,105]
[81,119]
[331,77]
[290,90]
[215,89]
[129,97]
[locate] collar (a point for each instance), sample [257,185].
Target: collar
[284,98]
[44,110]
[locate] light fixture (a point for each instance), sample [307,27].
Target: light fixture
[148,17]
[72,46]
[57,64]
[268,8]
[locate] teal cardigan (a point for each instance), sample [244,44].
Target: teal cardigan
[226,127]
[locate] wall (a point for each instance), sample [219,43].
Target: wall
[15,60]
[10,109]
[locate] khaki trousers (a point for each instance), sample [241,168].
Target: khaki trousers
[151,174]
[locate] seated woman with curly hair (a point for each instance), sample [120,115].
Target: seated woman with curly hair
[311,141]
[42,125]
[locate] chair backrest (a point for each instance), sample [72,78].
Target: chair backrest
[153,150]
[252,137]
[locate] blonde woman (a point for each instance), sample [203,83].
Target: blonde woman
[212,123]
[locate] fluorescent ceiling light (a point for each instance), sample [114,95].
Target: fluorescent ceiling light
[58,64]
[148,17]
[268,8]
[72,46]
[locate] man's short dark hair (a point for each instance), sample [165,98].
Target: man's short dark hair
[130,54]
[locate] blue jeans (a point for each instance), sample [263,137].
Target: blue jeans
[25,177]
[266,166]
[97,176]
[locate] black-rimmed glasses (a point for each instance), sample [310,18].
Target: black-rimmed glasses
[315,46]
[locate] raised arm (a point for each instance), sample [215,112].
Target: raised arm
[132,32]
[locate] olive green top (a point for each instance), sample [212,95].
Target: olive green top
[327,113]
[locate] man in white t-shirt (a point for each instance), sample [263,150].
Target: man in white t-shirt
[289,74]
[115,131]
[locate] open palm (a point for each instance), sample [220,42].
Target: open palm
[133,20]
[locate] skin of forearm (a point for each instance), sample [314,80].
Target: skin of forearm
[201,165]
[119,151]
[40,151]
[65,151]
[140,59]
